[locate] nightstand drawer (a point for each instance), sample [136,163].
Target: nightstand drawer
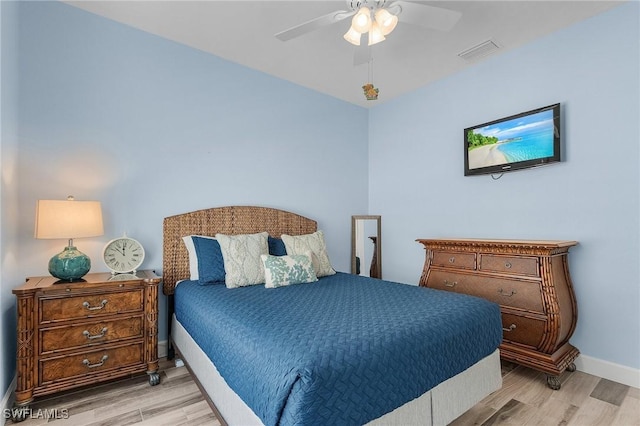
[90,362]
[527,331]
[503,291]
[91,333]
[90,305]
[510,265]
[454,259]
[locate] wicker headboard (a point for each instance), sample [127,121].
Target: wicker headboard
[224,220]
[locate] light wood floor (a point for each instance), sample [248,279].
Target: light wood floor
[175,401]
[524,399]
[583,400]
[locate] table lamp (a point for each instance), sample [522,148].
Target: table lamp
[68,219]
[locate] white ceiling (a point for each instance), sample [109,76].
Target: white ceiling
[411,56]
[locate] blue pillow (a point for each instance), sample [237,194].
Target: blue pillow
[277,247]
[210,261]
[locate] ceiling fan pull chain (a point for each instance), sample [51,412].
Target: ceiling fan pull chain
[370,92]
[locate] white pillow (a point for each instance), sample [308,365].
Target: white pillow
[281,271]
[241,254]
[300,244]
[193,257]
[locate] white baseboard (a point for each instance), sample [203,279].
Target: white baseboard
[163,348]
[608,370]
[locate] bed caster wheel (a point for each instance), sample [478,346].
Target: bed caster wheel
[571,368]
[553,382]
[154,379]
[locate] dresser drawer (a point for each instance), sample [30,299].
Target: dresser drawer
[90,305]
[454,259]
[503,291]
[90,362]
[509,265]
[526,331]
[90,333]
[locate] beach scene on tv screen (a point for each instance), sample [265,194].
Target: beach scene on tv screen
[521,139]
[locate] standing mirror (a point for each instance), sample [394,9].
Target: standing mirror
[366,252]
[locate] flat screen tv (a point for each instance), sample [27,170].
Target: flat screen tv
[524,140]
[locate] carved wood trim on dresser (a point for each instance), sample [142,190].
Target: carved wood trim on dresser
[72,334]
[529,280]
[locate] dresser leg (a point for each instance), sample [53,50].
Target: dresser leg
[154,379]
[19,413]
[553,382]
[571,368]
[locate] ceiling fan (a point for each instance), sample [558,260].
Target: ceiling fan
[375,19]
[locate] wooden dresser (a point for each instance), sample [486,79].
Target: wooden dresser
[531,283]
[72,334]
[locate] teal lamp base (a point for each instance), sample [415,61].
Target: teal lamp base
[69,265]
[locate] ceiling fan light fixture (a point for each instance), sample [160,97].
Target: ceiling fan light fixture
[353,37]
[386,21]
[361,21]
[375,34]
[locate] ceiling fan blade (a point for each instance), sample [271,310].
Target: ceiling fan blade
[313,25]
[425,15]
[362,55]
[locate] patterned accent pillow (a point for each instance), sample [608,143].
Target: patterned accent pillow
[241,254]
[280,271]
[300,244]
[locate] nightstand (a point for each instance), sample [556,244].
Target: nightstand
[72,334]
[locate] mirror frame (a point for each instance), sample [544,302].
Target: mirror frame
[378,242]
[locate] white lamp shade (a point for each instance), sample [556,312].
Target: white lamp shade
[386,21]
[361,21]
[375,35]
[353,37]
[58,219]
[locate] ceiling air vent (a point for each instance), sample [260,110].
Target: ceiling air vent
[483,49]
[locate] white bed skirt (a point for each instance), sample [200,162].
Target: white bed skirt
[439,406]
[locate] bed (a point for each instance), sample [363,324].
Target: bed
[340,349]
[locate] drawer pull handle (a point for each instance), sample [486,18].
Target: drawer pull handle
[95,336]
[452,259]
[505,294]
[94,308]
[507,265]
[447,283]
[97,364]
[510,329]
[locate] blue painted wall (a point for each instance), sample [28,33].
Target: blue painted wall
[9,271]
[416,179]
[152,128]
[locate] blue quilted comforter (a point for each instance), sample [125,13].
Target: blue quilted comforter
[343,350]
